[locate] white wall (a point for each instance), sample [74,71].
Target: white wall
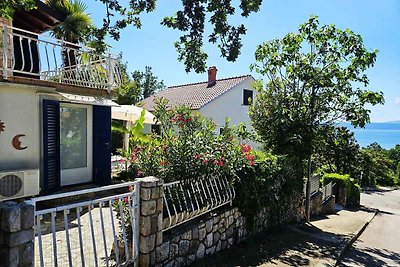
[230,105]
[19,111]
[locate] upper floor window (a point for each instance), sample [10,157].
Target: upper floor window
[247,97]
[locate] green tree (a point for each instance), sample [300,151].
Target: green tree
[129,91]
[190,20]
[377,166]
[314,79]
[137,86]
[337,151]
[394,154]
[7,8]
[148,82]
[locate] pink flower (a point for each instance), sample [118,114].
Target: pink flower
[139,173]
[250,157]
[205,161]
[130,188]
[126,200]
[197,156]
[245,148]
[133,157]
[219,162]
[252,162]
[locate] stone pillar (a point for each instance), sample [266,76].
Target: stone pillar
[9,47]
[151,219]
[17,234]
[316,203]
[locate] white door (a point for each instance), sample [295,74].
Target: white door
[76,141]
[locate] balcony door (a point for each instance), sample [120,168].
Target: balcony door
[76,144]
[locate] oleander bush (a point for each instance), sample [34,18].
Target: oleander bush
[188,147]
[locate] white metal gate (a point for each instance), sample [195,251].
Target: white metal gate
[101,231]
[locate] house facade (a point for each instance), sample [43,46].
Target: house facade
[55,108]
[217,99]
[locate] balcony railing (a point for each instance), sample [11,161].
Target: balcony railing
[27,54]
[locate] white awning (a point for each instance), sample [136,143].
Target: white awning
[132,113]
[88,100]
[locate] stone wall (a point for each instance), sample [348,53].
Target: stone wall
[9,44]
[16,234]
[316,203]
[342,196]
[202,238]
[328,206]
[198,238]
[347,201]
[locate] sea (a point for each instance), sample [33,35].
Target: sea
[386,134]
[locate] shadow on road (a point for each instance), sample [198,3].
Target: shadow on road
[282,246]
[371,257]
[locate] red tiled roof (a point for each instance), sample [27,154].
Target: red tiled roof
[194,95]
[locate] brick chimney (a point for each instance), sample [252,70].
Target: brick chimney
[212,76]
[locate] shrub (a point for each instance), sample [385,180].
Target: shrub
[343,180]
[270,185]
[189,148]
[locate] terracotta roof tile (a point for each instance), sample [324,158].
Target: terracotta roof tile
[194,95]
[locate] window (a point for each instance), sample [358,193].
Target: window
[73,137]
[155,128]
[247,97]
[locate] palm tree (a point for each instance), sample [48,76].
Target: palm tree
[74,29]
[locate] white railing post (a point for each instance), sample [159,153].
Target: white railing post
[110,76]
[5,52]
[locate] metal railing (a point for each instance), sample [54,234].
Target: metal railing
[103,231]
[314,185]
[186,200]
[327,191]
[28,54]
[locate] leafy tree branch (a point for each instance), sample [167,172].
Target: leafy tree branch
[190,20]
[315,78]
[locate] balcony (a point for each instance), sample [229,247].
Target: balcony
[28,57]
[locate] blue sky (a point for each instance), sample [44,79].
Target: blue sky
[378,22]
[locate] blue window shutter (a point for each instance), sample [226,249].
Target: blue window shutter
[102,145]
[51,146]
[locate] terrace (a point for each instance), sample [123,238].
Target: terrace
[34,58]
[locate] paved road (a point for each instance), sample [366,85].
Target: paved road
[379,245]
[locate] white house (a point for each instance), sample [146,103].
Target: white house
[215,98]
[55,108]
